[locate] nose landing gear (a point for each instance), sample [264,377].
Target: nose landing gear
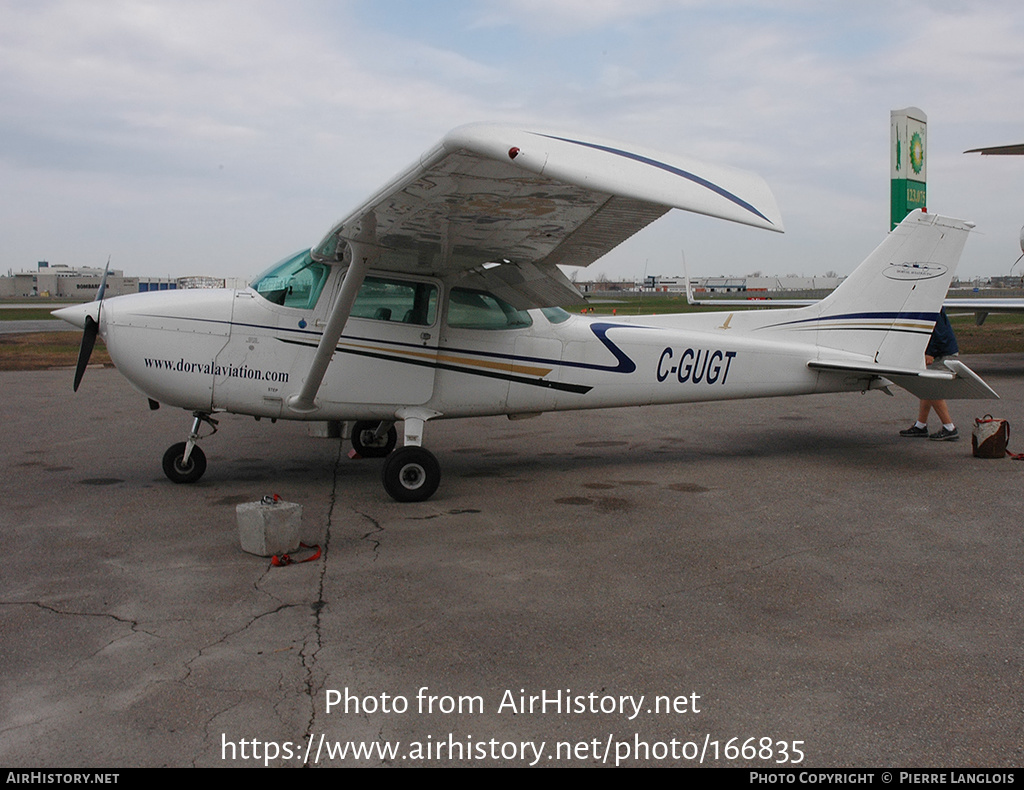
[180,469]
[184,462]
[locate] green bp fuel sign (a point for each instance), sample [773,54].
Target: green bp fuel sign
[908,160]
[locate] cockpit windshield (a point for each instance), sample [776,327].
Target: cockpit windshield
[295,281]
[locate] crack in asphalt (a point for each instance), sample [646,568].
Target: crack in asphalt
[133,624]
[377,528]
[309,658]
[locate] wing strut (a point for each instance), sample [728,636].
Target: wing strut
[363,251]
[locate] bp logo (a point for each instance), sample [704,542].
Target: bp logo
[917,153]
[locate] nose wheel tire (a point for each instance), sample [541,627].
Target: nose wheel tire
[179,472]
[411,474]
[364,443]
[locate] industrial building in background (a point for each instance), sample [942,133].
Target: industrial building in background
[752,284]
[83,282]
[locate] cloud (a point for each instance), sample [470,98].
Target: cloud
[233,130]
[569,17]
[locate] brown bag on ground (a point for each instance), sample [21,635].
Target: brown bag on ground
[990,437]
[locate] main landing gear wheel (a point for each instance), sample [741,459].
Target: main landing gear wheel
[411,474]
[178,472]
[364,443]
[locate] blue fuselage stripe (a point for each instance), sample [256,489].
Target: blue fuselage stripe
[929,317]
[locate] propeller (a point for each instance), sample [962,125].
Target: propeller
[92,328]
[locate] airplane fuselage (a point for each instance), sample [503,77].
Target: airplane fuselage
[225,350]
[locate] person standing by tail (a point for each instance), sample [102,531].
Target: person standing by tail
[941,346]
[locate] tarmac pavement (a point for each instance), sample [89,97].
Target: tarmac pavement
[786,570]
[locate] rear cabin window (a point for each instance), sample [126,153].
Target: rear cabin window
[469,309]
[555,315]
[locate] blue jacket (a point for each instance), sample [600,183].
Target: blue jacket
[942,342]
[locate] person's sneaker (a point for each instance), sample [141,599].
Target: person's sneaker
[945,435]
[913,432]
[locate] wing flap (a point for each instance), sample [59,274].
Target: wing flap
[525,285]
[617,220]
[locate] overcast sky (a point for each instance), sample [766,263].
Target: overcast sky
[216,137]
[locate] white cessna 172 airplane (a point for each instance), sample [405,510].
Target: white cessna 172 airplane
[437,298]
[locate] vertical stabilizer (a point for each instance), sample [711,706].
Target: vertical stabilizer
[887,308]
[883,314]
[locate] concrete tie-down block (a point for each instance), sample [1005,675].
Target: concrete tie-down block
[268,528]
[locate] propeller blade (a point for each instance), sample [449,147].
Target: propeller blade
[103,282]
[92,328]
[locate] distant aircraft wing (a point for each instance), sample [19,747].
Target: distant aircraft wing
[758,302]
[999,150]
[983,305]
[527,200]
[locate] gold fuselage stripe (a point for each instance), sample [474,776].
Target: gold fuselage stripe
[437,356]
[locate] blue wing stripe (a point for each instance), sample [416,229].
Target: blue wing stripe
[669,169]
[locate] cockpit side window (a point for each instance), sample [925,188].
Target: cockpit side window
[399,301]
[470,309]
[295,281]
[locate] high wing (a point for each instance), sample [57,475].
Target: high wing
[528,200]
[524,200]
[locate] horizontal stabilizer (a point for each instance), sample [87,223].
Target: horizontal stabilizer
[960,383]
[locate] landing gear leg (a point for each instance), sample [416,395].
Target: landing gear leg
[374,440]
[412,473]
[184,462]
